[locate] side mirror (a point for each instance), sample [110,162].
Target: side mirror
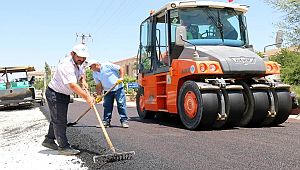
[180,35]
[279,38]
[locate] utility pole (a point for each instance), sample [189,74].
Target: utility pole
[83,37]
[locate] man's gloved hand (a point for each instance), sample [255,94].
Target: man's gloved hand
[120,80]
[90,100]
[98,99]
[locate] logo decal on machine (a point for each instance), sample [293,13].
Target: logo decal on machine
[243,60]
[192,69]
[188,70]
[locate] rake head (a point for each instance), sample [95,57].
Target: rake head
[113,157]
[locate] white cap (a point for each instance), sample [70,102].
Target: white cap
[81,50]
[91,62]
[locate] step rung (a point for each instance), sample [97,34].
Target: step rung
[161,82]
[162,110]
[161,96]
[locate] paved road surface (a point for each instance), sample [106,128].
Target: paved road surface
[164,144]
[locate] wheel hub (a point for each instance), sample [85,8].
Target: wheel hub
[190,104]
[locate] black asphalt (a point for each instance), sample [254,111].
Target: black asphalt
[163,143]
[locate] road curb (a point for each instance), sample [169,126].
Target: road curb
[295,117]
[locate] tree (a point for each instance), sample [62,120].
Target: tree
[47,71]
[291,19]
[290,66]
[90,80]
[38,84]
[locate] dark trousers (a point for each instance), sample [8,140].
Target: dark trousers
[58,107]
[119,96]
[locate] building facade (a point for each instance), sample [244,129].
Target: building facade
[129,66]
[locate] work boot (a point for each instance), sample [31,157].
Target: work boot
[125,124]
[106,123]
[49,143]
[68,150]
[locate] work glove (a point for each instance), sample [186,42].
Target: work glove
[98,99]
[120,80]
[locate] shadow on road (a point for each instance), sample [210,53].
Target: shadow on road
[175,122]
[161,119]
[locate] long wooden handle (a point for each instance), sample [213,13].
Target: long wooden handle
[111,146]
[109,90]
[82,115]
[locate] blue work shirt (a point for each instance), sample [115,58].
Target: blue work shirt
[108,76]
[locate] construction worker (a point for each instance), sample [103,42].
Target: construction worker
[69,72]
[106,75]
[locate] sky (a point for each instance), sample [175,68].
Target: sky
[33,32]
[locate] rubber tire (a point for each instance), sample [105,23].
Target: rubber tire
[249,102]
[189,123]
[284,106]
[211,108]
[235,114]
[207,107]
[143,114]
[261,107]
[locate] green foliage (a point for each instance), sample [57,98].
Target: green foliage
[260,54]
[296,89]
[127,80]
[48,71]
[39,84]
[90,80]
[290,23]
[290,66]
[131,92]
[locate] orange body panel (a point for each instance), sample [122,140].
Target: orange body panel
[161,90]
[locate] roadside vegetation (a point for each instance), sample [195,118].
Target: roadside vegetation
[290,68]
[290,25]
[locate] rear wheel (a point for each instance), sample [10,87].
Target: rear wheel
[261,107]
[140,105]
[284,106]
[236,107]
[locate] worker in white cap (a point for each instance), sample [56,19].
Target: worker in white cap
[69,78]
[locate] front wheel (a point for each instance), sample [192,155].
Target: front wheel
[197,108]
[190,105]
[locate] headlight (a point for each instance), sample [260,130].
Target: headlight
[203,67]
[212,68]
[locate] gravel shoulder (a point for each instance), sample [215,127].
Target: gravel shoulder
[21,134]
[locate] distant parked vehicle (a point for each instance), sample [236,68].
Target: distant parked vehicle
[15,90]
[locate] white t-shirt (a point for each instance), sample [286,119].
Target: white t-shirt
[66,72]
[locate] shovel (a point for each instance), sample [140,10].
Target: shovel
[101,97]
[114,155]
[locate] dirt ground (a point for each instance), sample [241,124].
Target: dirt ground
[21,134]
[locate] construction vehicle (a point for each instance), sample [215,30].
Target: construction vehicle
[195,60]
[15,87]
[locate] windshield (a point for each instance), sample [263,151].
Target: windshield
[211,26]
